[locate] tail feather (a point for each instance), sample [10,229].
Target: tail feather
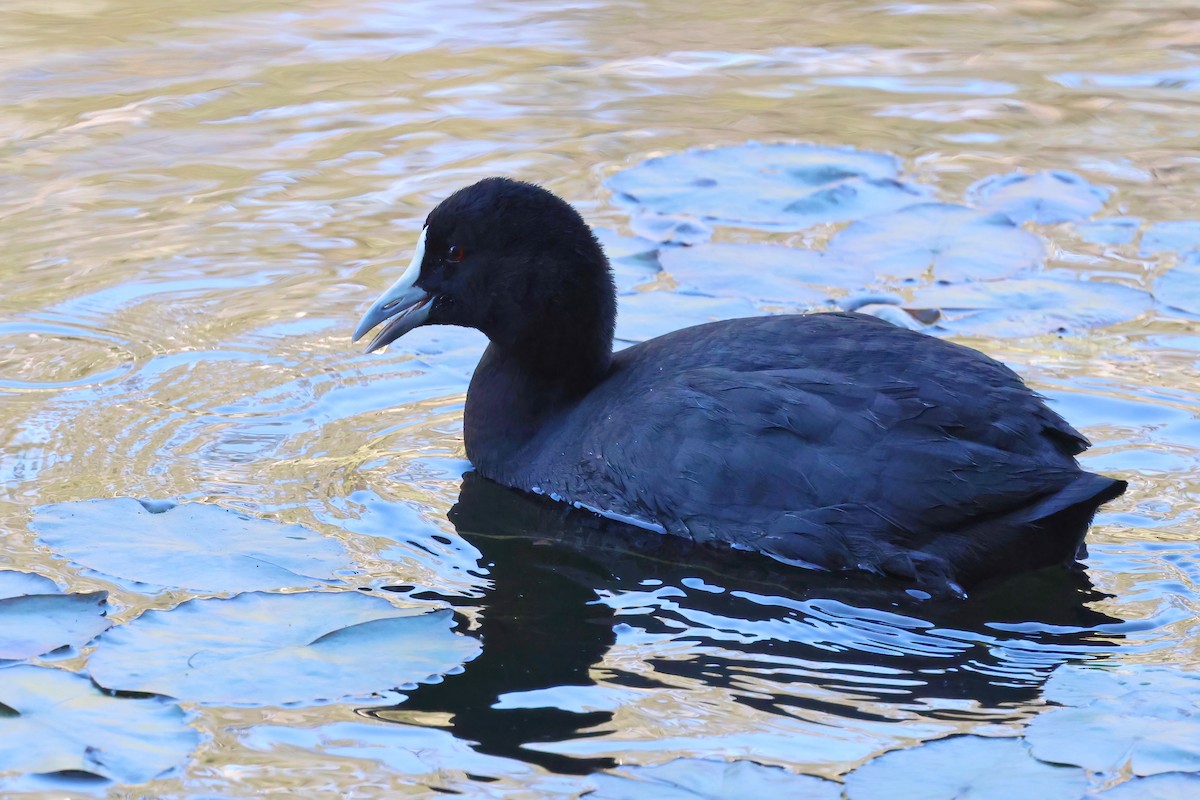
[1089,489]
[1046,533]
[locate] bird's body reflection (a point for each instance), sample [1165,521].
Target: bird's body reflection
[543,628]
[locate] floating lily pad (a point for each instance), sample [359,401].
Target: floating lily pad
[1030,306]
[703,779]
[405,749]
[631,249]
[36,617]
[671,230]
[785,186]
[764,273]
[964,768]
[272,649]
[18,584]
[644,315]
[900,317]
[1175,236]
[1167,786]
[633,260]
[1115,230]
[1180,286]
[1140,720]
[193,546]
[874,302]
[1046,198]
[945,242]
[60,722]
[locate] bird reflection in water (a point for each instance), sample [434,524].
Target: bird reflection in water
[542,628]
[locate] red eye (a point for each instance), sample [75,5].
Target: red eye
[455,253]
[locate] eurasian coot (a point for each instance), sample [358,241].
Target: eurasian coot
[830,440]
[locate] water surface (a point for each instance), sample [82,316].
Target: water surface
[197,202]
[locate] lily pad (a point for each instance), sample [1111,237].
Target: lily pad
[633,259]
[619,247]
[703,779]
[405,749]
[60,722]
[941,241]
[192,546]
[1179,287]
[1139,720]
[1114,230]
[964,768]
[900,317]
[1046,198]
[36,617]
[782,186]
[644,315]
[275,649]
[18,584]
[1030,306]
[671,230]
[1174,236]
[632,249]
[1167,786]
[764,273]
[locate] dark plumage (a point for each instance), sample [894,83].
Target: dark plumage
[827,440]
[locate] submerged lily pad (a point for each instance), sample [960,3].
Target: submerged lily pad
[272,649]
[61,722]
[785,186]
[946,242]
[964,768]
[703,779]
[192,546]
[765,273]
[1139,720]
[1179,287]
[1030,306]
[36,618]
[1046,198]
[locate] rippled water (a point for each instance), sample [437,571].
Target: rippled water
[198,200]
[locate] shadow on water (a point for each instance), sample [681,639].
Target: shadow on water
[841,645]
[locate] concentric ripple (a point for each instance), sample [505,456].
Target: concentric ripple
[47,356]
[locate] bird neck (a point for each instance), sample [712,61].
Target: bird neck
[516,390]
[556,348]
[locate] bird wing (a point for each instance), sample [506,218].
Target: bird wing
[827,466]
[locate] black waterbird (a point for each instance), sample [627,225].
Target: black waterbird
[831,440]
